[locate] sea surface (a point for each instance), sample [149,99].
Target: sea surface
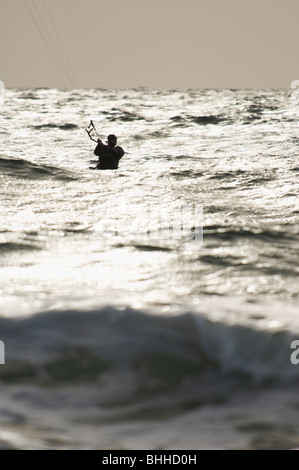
[155,306]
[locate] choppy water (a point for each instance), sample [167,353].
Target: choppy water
[121,330]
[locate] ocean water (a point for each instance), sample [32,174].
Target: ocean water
[152,307]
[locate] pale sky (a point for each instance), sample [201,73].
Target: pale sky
[152,43]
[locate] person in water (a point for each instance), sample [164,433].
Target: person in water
[109,155]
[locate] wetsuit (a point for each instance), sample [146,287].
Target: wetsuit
[108,156]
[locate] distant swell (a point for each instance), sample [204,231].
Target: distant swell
[12,247]
[123,116]
[232,233]
[239,264]
[20,168]
[186,174]
[63,127]
[227,174]
[204,120]
[201,120]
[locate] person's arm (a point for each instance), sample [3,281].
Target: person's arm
[119,152]
[97,150]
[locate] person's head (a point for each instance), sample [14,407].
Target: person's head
[112,140]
